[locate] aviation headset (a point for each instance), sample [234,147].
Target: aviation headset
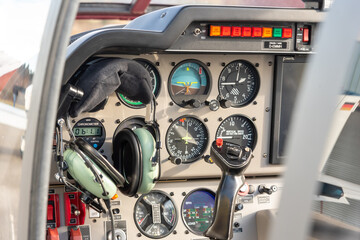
[135,155]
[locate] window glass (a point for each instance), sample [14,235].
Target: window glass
[21,24]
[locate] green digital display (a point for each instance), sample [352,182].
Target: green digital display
[87,131]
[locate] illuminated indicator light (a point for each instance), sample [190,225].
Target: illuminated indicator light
[115,197]
[277,32]
[246,32]
[306,35]
[225,31]
[236,31]
[215,30]
[347,106]
[182,120]
[256,32]
[200,71]
[287,33]
[187,69]
[267,32]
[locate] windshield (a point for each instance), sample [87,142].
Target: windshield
[23,22]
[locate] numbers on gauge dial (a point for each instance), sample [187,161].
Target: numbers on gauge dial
[187,138]
[239,83]
[239,130]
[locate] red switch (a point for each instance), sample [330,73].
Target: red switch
[236,32]
[287,33]
[225,31]
[306,38]
[256,32]
[50,212]
[52,234]
[74,209]
[246,32]
[75,234]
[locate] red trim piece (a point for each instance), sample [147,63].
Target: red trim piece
[139,6]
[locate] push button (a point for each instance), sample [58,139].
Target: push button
[287,33]
[277,32]
[225,31]
[246,32]
[215,30]
[267,32]
[236,32]
[256,32]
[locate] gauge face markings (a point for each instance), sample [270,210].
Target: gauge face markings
[189,80]
[155,84]
[198,210]
[239,83]
[239,130]
[187,138]
[155,214]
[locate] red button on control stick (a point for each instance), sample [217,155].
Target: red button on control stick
[219,142]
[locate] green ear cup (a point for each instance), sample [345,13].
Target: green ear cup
[83,175]
[150,173]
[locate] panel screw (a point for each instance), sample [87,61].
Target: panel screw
[171,193]
[171,103]
[172,63]
[117,104]
[265,155]
[208,64]
[223,64]
[205,119]
[117,121]
[94,220]
[170,119]
[267,109]
[174,232]
[186,232]
[73,121]
[138,235]
[163,15]
[136,196]
[183,193]
[102,151]
[255,102]
[254,119]
[257,64]
[220,119]
[102,120]
[270,63]
[157,64]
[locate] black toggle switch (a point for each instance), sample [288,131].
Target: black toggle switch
[262,189]
[225,103]
[233,152]
[195,103]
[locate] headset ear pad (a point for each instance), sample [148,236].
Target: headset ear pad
[132,154]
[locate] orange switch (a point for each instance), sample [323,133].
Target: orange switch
[267,32]
[219,142]
[215,30]
[52,234]
[50,212]
[75,234]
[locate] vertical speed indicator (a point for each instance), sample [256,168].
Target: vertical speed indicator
[239,130]
[239,83]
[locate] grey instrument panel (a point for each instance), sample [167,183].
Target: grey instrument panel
[259,111]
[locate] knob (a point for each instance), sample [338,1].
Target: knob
[195,103]
[208,159]
[214,105]
[244,190]
[251,189]
[225,103]
[119,233]
[262,189]
[175,160]
[239,207]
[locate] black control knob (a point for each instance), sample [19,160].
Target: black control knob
[262,189]
[195,103]
[239,207]
[175,160]
[225,103]
[208,159]
[214,105]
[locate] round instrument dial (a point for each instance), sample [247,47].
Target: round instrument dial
[189,81]
[198,210]
[91,130]
[187,139]
[155,84]
[155,214]
[239,83]
[239,130]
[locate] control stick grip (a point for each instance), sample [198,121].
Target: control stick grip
[225,200]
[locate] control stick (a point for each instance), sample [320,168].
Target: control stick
[232,159]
